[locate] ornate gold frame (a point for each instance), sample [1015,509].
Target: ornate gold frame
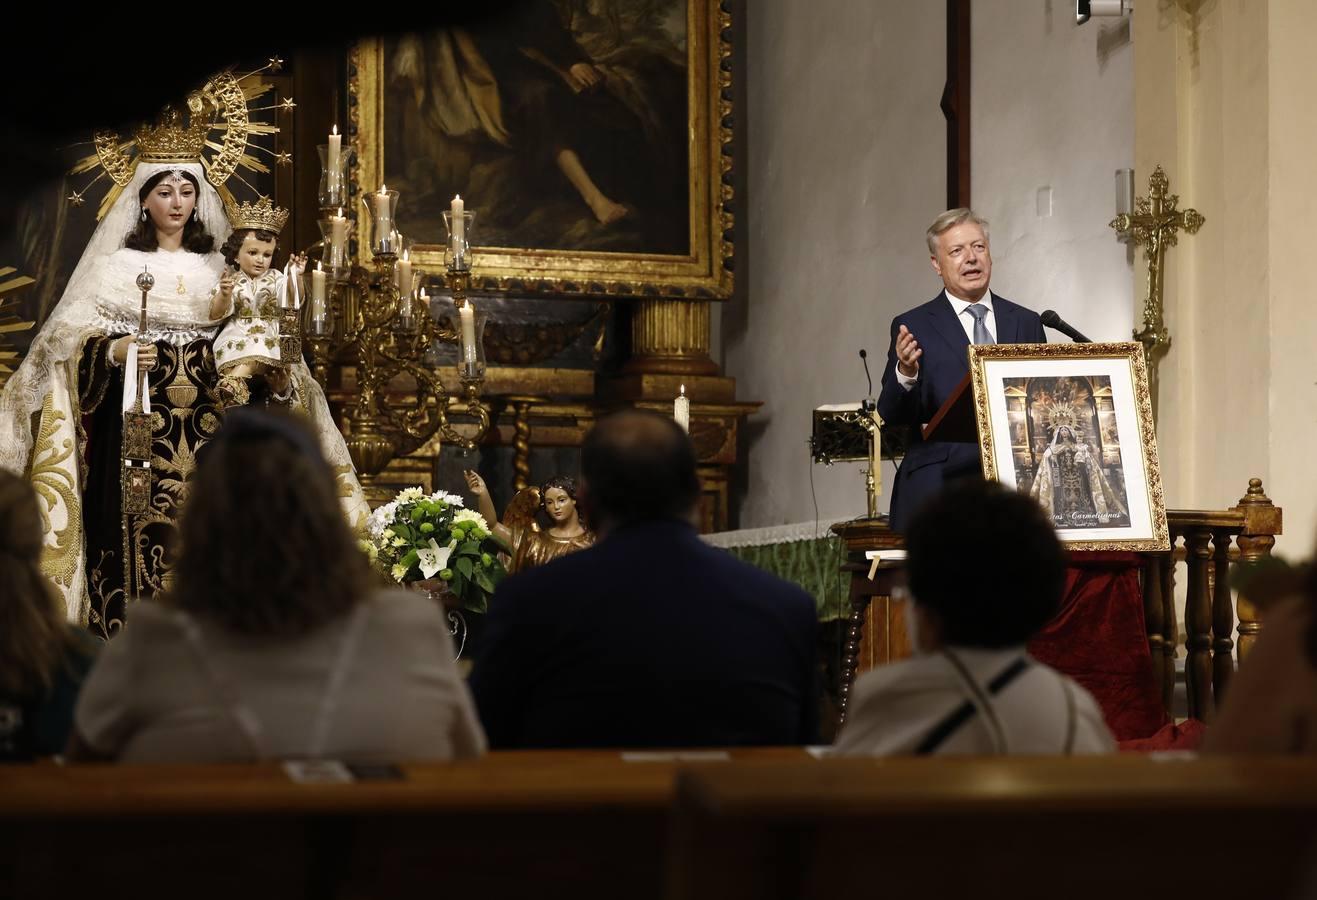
[1128,351]
[706,274]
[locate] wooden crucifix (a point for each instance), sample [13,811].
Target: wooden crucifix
[955,103]
[1155,226]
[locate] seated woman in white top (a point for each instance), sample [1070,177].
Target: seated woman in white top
[273,643]
[986,572]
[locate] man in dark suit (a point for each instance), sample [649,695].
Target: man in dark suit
[650,638]
[927,358]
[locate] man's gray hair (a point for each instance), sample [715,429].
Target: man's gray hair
[950,219]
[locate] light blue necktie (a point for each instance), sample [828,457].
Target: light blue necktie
[981,333]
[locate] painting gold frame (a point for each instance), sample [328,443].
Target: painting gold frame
[704,274]
[1126,407]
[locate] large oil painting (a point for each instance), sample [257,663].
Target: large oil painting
[591,137]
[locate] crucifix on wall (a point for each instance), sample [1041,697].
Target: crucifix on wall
[1155,226]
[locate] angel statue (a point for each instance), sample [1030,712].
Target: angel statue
[531,543]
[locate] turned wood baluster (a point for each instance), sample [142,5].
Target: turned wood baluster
[1198,624]
[1262,522]
[1154,624]
[1223,617]
[1170,629]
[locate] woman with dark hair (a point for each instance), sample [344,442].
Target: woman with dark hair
[93,361]
[986,573]
[43,659]
[148,235]
[272,642]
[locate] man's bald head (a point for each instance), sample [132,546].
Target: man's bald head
[637,466]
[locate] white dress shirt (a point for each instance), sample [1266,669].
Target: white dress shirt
[966,322]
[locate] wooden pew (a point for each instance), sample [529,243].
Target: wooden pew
[1100,827]
[579,824]
[769,823]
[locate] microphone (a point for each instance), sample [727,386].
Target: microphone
[1052,320]
[868,404]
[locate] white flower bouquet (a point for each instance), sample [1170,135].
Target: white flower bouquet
[418,538]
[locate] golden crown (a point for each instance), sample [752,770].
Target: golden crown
[216,129]
[171,140]
[262,215]
[1062,415]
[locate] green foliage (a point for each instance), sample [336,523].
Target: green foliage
[415,538]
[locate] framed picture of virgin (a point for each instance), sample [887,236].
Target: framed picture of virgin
[1071,425]
[592,138]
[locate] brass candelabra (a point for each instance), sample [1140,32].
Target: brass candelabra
[374,319]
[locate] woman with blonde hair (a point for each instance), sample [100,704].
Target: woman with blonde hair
[273,642]
[43,659]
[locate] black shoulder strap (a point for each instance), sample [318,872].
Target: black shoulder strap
[963,713]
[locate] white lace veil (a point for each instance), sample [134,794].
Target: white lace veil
[60,338]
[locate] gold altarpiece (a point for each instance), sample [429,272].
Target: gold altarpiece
[546,407]
[655,309]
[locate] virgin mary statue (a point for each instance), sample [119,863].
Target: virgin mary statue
[62,411]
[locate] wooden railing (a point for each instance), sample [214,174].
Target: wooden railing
[1208,541]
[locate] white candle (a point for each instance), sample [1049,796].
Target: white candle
[468,320]
[404,273]
[332,160]
[383,220]
[318,293]
[405,306]
[681,410]
[456,214]
[338,236]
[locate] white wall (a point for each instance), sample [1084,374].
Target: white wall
[1292,400]
[1053,106]
[846,167]
[1222,102]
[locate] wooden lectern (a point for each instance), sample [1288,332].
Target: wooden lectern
[877,631]
[954,421]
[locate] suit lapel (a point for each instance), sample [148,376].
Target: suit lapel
[948,328]
[1008,322]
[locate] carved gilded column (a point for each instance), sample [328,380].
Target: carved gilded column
[672,337]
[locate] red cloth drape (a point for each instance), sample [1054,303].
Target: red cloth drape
[1099,639]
